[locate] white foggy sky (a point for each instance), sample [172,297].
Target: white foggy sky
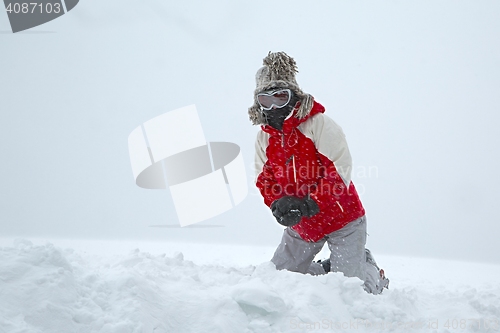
[414,85]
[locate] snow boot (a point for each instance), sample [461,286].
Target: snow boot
[325,264]
[383,282]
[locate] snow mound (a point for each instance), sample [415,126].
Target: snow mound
[44,288]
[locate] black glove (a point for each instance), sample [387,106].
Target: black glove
[289,210]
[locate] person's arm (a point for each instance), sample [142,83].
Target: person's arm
[335,157]
[330,141]
[266,183]
[287,210]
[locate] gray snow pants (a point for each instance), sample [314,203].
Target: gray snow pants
[348,254]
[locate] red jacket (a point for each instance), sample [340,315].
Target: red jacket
[309,156]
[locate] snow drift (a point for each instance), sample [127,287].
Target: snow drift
[44,288]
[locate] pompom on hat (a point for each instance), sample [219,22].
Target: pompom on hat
[278,72]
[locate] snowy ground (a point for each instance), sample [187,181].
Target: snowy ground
[102,286]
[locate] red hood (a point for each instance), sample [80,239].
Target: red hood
[293,121]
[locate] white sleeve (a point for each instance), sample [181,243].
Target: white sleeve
[261,144]
[330,141]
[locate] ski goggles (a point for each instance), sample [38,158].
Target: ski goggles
[278,99]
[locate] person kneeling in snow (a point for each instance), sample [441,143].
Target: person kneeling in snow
[303,169]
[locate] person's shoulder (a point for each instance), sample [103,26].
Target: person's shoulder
[328,121]
[318,117]
[321,120]
[320,126]
[262,134]
[262,138]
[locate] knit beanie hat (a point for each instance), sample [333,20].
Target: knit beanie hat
[278,72]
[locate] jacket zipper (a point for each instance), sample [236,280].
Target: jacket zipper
[288,160]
